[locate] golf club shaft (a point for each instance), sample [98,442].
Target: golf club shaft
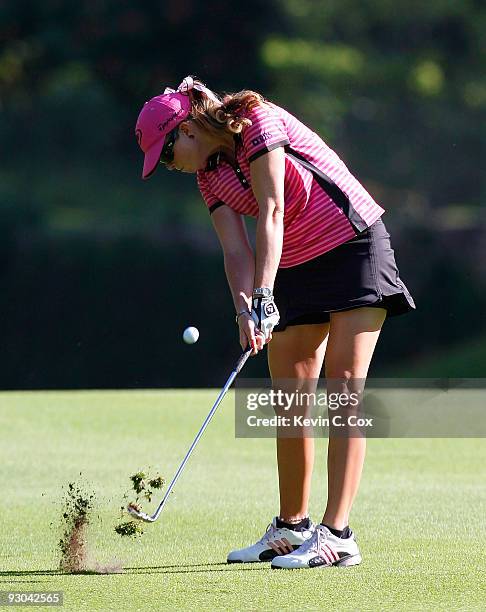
[241,362]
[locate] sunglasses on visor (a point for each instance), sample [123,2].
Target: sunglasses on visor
[167,155]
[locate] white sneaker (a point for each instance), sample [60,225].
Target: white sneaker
[274,542]
[323,549]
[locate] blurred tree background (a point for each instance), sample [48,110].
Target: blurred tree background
[100,272]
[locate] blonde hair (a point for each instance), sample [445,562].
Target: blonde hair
[226,113]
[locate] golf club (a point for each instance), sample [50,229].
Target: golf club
[150,519]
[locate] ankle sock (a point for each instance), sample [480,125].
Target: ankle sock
[303,524]
[339,533]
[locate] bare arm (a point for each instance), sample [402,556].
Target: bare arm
[239,264]
[239,261]
[243,274]
[267,179]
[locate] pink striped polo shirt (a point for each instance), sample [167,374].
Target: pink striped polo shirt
[325,205]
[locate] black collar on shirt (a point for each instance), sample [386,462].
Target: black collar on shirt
[213,162]
[216,158]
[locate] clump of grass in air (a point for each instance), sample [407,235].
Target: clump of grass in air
[144,487]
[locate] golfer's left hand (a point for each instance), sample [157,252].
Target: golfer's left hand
[265,314]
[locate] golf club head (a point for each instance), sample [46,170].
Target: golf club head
[138,514]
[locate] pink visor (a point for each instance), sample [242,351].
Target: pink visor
[158,117]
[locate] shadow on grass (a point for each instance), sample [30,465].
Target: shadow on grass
[26,581]
[197,568]
[151,569]
[53,572]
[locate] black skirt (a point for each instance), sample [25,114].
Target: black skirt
[360,272]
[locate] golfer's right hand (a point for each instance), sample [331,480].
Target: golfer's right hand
[249,333]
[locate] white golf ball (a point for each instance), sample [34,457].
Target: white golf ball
[190,335]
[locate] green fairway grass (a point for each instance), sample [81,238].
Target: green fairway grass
[419,517]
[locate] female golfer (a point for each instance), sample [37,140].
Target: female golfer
[317,289]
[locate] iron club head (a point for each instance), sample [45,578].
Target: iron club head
[138,514]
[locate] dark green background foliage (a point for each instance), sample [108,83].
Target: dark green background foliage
[100,272]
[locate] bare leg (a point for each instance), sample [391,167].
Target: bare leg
[352,339]
[296,353]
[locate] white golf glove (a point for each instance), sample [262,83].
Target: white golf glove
[265,314]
